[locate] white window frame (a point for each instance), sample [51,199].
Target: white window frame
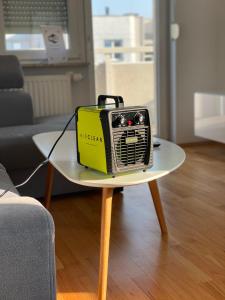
[76,30]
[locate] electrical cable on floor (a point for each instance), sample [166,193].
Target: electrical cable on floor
[43,163]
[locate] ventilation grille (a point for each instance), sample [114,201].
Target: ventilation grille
[130,147]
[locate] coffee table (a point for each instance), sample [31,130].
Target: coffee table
[167,158]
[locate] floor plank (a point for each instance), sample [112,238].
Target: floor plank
[188,265]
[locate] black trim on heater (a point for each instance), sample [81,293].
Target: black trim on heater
[104,116]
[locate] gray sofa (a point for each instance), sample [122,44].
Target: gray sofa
[27,255]
[17,126]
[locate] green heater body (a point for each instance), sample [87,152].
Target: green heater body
[112,138]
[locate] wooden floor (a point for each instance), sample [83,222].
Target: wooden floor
[189,265]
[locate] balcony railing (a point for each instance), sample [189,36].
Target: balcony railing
[113,50]
[126,54]
[133,77]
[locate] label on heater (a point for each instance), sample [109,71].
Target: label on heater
[131,140]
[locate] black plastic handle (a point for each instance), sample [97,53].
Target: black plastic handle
[118,100]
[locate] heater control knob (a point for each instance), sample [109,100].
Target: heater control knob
[139,118]
[121,120]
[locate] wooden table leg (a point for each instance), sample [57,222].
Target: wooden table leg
[49,183]
[153,186]
[107,194]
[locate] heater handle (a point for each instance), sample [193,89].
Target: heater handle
[118,100]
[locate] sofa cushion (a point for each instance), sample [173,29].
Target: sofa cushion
[11,74]
[17,149]
[6,183]
[16,108]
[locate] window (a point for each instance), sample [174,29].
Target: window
[22,21]
[114,43]
[124,51]
[108,43]
[29,41]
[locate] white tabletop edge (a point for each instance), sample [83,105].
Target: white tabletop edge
[87,177]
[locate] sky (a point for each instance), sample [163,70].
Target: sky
[120,7]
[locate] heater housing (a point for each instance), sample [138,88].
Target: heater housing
[112,138]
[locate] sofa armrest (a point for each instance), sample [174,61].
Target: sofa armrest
[27,255]
[15,108]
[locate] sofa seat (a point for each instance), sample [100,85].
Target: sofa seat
[17,150]
[20,156]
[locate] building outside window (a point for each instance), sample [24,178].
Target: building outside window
[112,44]
[124,51]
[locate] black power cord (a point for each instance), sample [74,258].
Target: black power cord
[43,163]
[64,130]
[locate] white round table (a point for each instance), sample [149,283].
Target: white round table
[167,158]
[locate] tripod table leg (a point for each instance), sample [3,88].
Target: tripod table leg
[107,195]
[153,186]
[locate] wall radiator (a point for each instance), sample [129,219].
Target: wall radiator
[51,94]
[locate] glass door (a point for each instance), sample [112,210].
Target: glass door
[123,33]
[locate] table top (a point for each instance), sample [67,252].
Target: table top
[166,159]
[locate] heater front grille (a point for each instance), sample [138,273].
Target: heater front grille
[131,146]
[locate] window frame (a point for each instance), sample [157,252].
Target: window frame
[76,31]
[162,67]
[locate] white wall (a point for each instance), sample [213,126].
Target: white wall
[221,46]
[200,59]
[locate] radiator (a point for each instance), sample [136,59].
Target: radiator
[51,94]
